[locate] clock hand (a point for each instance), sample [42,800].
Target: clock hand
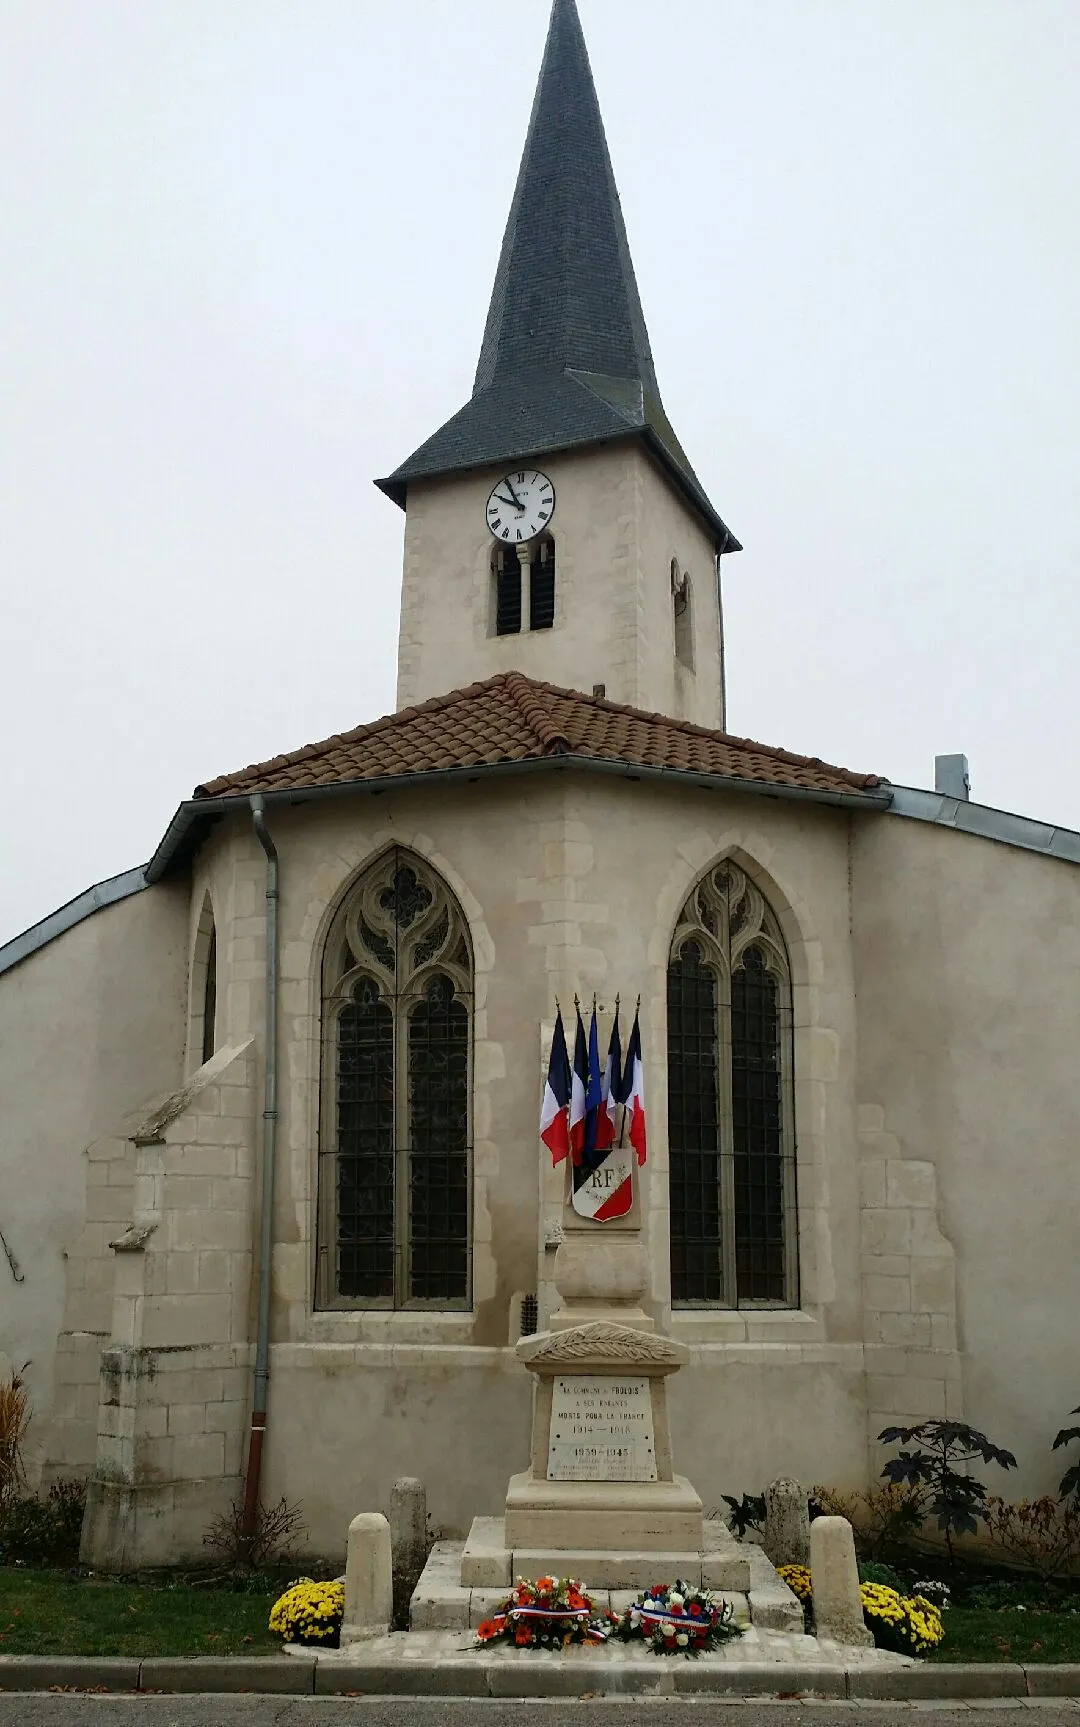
[514,505]
[518,505]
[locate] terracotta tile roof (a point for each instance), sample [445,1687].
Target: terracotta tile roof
[512,718]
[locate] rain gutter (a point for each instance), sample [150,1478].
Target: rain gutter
[269,1158]
[195,810]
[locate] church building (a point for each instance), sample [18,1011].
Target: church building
[273,1199]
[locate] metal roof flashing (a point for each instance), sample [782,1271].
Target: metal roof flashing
[185,831]
[84,905]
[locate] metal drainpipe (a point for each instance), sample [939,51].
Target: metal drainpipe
[269,1150]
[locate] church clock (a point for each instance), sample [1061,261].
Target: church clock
[521,505]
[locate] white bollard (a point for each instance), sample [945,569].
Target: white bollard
[408,1541]
[834,1572]
[369,1597]
[787,1522]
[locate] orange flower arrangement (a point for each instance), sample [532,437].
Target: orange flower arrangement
[547,1614]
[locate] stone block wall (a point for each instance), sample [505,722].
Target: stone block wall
[908,1271]
[173,1396]
[89,1276]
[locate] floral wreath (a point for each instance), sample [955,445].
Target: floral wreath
[674,1619]
[547,1614]
[679,1619]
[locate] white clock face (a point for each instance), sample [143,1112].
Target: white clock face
[521,506]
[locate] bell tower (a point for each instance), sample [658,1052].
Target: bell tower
[554,525]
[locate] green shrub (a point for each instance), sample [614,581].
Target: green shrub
[43,1529]
[870,1572]
[956,1500]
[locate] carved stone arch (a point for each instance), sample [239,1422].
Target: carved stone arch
[727,913]
[399,922]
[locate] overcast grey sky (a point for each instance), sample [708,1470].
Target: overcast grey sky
[248,247]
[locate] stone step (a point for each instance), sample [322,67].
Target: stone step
[635,1570]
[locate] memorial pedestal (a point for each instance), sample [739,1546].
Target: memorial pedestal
[601,1475]
[601,1499]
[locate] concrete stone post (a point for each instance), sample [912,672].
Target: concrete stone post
[369,1596]
[408,1542]
[787,1522]
[838,1613]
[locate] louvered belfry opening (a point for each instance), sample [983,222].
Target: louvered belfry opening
[395,1145]
[542,584]
[507,591]
[731,1142]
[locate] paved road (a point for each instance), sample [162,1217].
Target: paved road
[44,1710]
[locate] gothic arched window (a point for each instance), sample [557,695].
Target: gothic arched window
[730,1114]
[395,1145]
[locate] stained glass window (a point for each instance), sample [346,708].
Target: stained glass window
[395,1181]
[730,1115]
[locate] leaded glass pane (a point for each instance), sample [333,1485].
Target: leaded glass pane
[438,1153]
[694,1129]
[757,1132]
[406,897]
[365,1144]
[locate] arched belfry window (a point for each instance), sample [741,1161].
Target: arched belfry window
[395,1143]
[513,607]
[682,606]
[730,1114]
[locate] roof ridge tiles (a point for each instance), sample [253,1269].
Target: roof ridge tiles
[515,717]
[522,690]
[691,728]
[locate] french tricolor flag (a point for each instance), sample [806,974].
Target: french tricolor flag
[603,1188]
[554,1126]
[632,1093]
[579,1086]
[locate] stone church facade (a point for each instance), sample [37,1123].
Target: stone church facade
[270,1156]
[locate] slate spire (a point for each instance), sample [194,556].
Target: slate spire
[565,359]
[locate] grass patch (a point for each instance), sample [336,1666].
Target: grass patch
[50,1613]
[1008,1634]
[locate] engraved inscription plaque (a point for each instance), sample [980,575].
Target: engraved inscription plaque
[601,1430]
